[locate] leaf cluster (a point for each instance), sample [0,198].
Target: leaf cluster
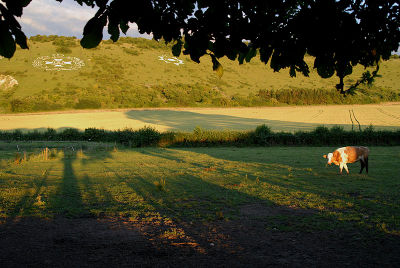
[10,30]
[338,33]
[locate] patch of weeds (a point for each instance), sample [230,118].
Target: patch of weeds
[160,185]
[3,163]
[173,233]
[53,153]
[39,202]
[219,215]
[18,159]
[80,154]
[45,173]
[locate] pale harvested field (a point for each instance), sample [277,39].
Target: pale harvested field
[381,116]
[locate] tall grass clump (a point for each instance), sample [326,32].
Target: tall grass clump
[160,185]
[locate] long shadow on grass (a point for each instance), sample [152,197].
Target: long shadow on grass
[25,205]
[201,217]
[227,218]
[67,200]
[298,174]
[310,173]
[187,121]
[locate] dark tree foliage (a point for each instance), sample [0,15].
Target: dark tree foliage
[338,33]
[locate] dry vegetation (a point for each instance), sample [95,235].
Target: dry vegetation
[290,119]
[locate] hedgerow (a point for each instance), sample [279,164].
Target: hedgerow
[261,136]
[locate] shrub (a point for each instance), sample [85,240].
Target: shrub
[45,105]
[63,50]
[20,105]
[50,134]
[144,43]
[146,136]
[94,134]
[131,51]
[262,135]
[86,103]
[321,135]
[71,134]
[64,41]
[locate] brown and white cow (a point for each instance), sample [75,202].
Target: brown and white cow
[349,154]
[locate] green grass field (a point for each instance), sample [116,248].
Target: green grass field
[213,200]
[129,74]
[200,185]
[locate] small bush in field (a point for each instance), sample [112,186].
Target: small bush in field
[146,136]
[86,103]
[262,135]
[94,134]
[131,51]
[71,134]
[63,50]
[20,105]
[321,135]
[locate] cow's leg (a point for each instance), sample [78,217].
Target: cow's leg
[345,167]
[366,164]
[362,165]
[341,167]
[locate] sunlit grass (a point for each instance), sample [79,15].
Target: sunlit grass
[203,184]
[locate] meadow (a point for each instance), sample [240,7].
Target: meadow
[196,183]
[129,73]
[180,192]
[199,186]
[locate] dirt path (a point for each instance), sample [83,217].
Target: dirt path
[381,116]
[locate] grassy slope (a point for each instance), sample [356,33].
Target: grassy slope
[202,184]
[113,78]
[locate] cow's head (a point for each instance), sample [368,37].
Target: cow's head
[329,157]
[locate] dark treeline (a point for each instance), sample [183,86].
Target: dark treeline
[261,136]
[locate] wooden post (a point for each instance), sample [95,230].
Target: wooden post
[45,152]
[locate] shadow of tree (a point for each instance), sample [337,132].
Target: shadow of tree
[187,121]
[256,216]
[26,204]
[193,221]
[67,200]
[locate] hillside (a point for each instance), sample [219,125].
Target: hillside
[136,72]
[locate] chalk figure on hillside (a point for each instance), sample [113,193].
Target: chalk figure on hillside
[58,62]
[173,60]
[349,154]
